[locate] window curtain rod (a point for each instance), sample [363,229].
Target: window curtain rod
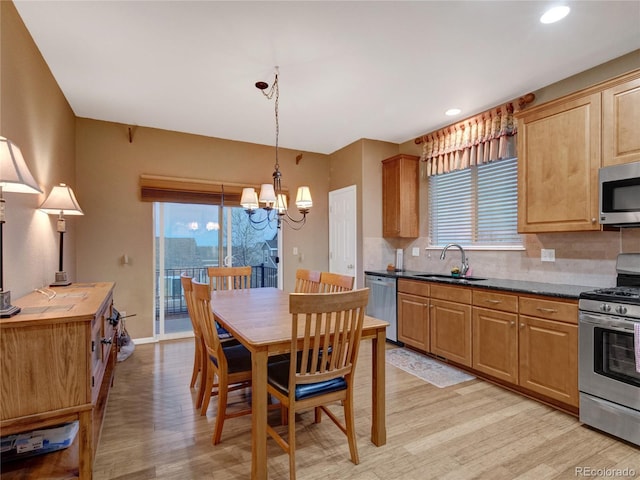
[483,138]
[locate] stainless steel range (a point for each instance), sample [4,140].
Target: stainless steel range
[609,379]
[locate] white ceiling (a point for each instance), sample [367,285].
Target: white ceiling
[384,70]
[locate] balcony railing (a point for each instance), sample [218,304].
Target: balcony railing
[174,302]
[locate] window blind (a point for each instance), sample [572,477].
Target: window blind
[155,188]
[477,206]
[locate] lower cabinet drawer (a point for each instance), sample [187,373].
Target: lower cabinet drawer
[495,301]
[549,309]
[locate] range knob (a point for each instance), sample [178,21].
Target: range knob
[621,309]
[605,307]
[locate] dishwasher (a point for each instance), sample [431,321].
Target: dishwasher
[382,302]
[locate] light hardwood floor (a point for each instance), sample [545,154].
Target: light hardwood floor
[470,430]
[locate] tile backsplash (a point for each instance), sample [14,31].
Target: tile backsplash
[584,258]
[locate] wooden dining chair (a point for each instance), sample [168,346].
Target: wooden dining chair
[229,365]
[330,322]
[335,282]
[229,278]
[307,281]
[197,335]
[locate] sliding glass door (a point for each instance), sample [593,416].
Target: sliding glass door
[189,238]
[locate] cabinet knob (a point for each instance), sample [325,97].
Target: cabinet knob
[593,220]
[512,323]
[522,325]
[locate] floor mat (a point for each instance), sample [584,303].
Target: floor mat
[428,369]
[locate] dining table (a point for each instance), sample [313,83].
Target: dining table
[259,319]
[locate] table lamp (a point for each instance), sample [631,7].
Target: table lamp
[14,177]
[61,201]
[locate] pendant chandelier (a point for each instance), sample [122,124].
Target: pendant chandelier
[271,195]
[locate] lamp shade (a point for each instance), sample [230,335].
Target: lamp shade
[14,174]
[281,203]
[267,194]
[303,198]
[249,199]
[61,200]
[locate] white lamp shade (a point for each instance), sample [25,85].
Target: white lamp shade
[281,203]
[267,194]
[303,198]
[14,173]
[61,199]
[249,199]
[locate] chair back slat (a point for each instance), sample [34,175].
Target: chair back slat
[335,282]
[307,281]
[331,325]
[229,278]
[204,315]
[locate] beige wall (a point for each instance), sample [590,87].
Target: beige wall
[35,116]
[360,164]
[116,222]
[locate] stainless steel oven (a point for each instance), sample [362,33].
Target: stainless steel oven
[609,378]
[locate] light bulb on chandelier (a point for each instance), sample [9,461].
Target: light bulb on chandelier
[271,194]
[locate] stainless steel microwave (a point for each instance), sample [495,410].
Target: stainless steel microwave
[619,195]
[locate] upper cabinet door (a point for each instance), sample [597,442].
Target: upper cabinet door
[558,161]
[400,196]
[621,123]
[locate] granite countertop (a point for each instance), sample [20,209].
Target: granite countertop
[537,288]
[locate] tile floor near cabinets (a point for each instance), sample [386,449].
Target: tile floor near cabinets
[470,430]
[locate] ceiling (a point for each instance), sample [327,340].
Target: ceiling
[384,70]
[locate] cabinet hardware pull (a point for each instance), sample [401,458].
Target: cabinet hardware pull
[93,346]
[494,301]
[547,310]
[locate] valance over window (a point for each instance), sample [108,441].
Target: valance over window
[480,139]
[155,188]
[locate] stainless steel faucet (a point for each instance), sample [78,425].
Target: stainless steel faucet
[465,264]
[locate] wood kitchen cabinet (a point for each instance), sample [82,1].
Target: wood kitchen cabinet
[525,342]
[413,314]
[400,190]
[548,348]
[450,322]
[531,342]
[57,359]
[495,334]
[558,161]
[561,146]
[621,123]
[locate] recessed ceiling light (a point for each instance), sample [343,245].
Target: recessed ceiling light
[452,111]
[555,14]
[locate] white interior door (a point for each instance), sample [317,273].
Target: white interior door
[343,231]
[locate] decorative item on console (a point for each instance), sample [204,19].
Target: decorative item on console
[61,200]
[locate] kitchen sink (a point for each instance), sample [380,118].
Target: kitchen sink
[448,277]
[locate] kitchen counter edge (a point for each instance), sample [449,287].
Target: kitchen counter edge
[519,286]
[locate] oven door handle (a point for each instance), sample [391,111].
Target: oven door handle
[606,321]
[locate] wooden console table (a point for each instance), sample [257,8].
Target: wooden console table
[57,358]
